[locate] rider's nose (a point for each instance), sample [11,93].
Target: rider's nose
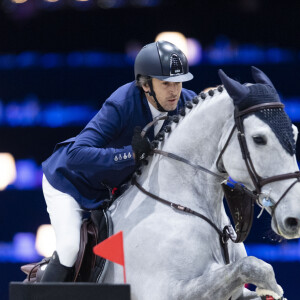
[174,89]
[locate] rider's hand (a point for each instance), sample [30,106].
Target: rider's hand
[140,145]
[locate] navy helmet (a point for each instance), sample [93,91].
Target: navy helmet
[164,61]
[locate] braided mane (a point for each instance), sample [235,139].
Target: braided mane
[196,101]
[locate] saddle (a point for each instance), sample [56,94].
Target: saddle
[88,267]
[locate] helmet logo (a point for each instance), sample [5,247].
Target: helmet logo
[176,67]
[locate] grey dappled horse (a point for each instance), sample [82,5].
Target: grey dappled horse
[173,254]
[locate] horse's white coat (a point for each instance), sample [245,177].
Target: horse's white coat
[174,255]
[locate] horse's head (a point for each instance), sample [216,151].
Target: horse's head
[262,154]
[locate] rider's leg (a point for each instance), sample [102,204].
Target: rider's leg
[66,218]
[56,272]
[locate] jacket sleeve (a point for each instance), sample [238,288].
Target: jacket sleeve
[91,152]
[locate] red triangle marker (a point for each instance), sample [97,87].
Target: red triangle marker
[112,249]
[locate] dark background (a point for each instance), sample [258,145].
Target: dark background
[64,28]
[268,22]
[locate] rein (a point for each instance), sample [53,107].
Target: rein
[186,161]
[224,235]
[174,156]
[228,231]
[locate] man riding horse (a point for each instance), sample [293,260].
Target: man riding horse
[82,170]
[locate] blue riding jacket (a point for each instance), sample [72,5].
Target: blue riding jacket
[101,154]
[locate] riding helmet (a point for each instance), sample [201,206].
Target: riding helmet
[164,61]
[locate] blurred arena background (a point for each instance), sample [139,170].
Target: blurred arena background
[60,59]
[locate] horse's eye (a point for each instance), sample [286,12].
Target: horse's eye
[260,140]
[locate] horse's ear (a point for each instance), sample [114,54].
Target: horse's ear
[260,77]
[235,90]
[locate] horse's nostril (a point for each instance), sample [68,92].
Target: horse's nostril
[292,222]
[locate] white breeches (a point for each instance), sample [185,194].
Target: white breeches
[66,218]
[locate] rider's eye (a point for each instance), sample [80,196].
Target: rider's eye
[260,140]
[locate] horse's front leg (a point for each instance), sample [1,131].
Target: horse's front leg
[246,295]
[226,281]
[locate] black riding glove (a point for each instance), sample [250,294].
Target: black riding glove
[140,145]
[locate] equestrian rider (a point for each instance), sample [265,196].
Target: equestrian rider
[77,174]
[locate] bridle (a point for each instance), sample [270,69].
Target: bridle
[227,232]
[257,180]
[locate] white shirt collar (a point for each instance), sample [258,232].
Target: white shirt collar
[155,113]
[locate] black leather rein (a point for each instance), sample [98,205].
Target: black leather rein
[224,235]
[227,233]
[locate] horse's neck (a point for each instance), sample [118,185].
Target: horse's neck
[195,138]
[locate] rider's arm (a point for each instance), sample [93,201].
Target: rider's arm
[92,149]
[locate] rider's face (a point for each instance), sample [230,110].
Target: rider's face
[167,93]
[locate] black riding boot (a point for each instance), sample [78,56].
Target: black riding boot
[56,272]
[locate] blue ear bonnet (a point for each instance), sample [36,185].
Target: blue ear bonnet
[281,125]
[263,91]
[257,94]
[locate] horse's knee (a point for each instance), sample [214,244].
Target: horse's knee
[255,269]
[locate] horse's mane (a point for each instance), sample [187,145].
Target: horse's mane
[205,95]
[276,118]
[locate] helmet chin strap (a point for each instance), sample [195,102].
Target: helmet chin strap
[152,94]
